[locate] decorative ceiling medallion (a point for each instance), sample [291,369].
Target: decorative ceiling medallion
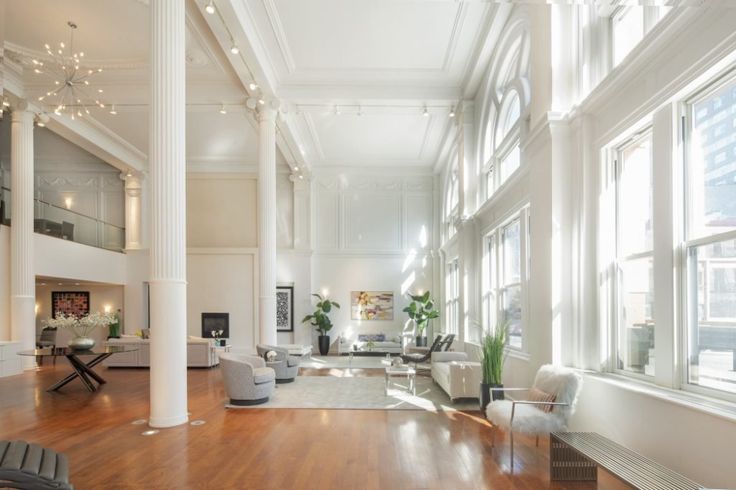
[71,93]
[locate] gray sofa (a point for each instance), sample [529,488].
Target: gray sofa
[284,365]
[247,379]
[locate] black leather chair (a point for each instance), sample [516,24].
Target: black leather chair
[446,342]
[423,357]
[47,339]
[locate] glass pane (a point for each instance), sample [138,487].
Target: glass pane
[69,225]
[628,30]
[510,113]
[512,253]
[489,183]
[510,163]
[512,314]
[712,315]
[635,197]
[636,318]
[712,164]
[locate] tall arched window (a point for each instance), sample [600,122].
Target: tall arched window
[452,199]
[507,96]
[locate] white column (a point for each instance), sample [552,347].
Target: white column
[168,219]
[267,224]
[22,275]
[133,225]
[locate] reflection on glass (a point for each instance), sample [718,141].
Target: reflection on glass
[628,31]
[510,163]
[512,252]
[712,164]
[635,197]
[712,315]
[512,314]
[636,319]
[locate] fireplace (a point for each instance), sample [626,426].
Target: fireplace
[212,322]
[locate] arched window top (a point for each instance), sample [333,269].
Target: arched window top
[508,116]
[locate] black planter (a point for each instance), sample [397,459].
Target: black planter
[485,396]
[324,344]
[421,341]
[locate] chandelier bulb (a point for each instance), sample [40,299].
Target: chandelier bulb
[210,8]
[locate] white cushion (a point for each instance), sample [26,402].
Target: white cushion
[527,418]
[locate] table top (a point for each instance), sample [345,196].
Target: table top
[400,370]
[66,351]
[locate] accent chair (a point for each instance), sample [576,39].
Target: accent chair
[284,365]
[247,379]
[548,407]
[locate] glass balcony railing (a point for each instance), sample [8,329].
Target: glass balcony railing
[59,222]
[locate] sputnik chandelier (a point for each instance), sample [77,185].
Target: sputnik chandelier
[70,93]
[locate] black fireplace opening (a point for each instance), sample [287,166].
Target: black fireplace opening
[214,322]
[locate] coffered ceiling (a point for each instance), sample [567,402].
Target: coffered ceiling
[353,77]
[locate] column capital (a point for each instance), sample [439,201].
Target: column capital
[20,112]
[265,109]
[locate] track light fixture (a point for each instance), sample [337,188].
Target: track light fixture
[112,110]
[452,112]
[222,109]
[426,112]
[210,8]
[234,49]
[253,85]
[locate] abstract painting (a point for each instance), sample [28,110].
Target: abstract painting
[372,305]
[285,308]
[70,303]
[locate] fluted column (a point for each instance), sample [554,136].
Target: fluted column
[22,274]
[168,218]
[267,224]
[133,224]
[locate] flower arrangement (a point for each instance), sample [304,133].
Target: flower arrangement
[81,327]
[216,334]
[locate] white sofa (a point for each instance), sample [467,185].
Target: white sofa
[382,344]
[456,375]
[200,353]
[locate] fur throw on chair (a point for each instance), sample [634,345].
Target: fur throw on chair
[564,383]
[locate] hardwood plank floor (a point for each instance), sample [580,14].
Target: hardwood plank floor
[260,448]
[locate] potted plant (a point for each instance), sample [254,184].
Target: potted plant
[81,327]
[321,321]
[494,355]
[421,310]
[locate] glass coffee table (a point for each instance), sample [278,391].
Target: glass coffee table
[401,371]
[82,370]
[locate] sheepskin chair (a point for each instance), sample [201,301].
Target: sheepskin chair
[538,417]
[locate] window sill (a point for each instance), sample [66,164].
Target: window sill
[701,403]
[518,354]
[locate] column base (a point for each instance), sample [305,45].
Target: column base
[164,422]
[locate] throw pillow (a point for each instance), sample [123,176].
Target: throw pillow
[536,395]
[269,356]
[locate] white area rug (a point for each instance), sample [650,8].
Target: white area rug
[343,362]
[362,393]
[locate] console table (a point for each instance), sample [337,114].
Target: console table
[82,370]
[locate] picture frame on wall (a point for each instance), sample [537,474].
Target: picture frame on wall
[372,305]
[70,303]
[285,308]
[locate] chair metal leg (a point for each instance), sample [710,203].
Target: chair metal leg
[511,434]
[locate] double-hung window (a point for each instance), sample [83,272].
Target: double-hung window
[505,266]
[629,25]
[709,258]
[634,325]
[452,297]
[506,156]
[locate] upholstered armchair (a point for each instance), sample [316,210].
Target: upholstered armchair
[548,407]
[247,379]
[285,366]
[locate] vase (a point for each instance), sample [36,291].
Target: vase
[324,344]
[81,343]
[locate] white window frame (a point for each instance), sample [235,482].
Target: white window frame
[492,275]
[500,150]
[452,193]
[651,15]
[690,243]
[619,259]
[452,296]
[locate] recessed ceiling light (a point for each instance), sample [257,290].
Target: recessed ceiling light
[151,432]
[210,8]
[234,49]
[252,85]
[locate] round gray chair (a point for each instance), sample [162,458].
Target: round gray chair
[247,379]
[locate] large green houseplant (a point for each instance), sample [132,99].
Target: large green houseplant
[421,310]
[321,321]
[493,352]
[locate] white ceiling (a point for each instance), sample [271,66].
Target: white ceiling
[326,61]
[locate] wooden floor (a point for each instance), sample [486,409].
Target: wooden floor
[259,448]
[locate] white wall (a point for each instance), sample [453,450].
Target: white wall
[100,297]
[371,233]
[69,260]
[4,283]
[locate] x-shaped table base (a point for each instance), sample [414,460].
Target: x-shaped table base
[83,371]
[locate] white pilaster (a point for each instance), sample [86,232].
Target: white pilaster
[168,218]
[133,225]
[22,275]
[267,224]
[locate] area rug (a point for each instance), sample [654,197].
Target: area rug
[362,393]
[343,362]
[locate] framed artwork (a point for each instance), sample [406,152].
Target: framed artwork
[372,305]
[213,322]
[70,303]
[285,308]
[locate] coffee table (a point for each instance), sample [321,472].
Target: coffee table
[409,372]
[82,370]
